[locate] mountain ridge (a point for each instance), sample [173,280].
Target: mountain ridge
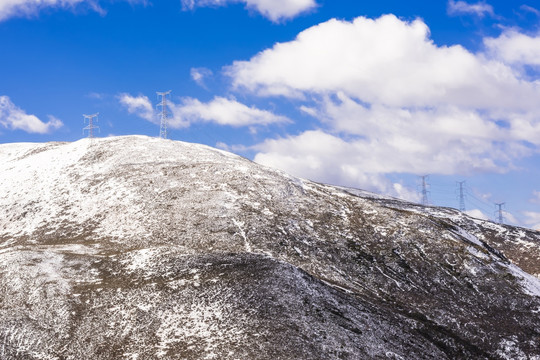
[134,216]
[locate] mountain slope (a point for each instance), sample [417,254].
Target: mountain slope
[146,248]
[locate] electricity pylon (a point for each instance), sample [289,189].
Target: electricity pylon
[164,114]
[91,125]
[461,195]
[425,192]
[499,212]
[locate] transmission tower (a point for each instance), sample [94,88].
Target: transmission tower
[163,105]
[499,213]
[425,192]
[91,125]
[461,195]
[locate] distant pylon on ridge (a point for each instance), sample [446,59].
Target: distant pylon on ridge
[164,115]
[499,213]
[461,195]
[425,192]
[91,125]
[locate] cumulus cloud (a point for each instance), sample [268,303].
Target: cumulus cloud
[479,9]
[14,118]
[224,111]
[445,140]
[386,61]
[221,111]
[138,105]
[390,100]
[275,10]
[513,47]
[323,157]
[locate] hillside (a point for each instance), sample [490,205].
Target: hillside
[143,248]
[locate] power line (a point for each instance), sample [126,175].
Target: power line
[464,195]
[488,204]
[480,206]
[164,114]
[438,185]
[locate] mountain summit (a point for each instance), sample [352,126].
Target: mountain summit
[142,248]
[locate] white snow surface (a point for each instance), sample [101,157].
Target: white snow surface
[53,174]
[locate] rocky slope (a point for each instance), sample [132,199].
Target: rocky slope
[142,248]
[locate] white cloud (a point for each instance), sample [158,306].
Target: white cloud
[199,75]
[532,219]
[364,141]
[275,10]
[510,218]
[326,158]
[138,105]
[220,111]
[95,95]
[223,111]
[231,148]
[479,9]
[530,9]
[18,8]
[445,140]
[14,118]
[477,214]
[516,48]
[390,100]
[386,61]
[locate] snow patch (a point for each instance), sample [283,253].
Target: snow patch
[529,283]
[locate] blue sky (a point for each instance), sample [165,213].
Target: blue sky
[364,94]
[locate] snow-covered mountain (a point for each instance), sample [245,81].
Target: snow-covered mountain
[143,248]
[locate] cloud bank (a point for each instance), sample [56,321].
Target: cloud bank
[386,61]
[390,100]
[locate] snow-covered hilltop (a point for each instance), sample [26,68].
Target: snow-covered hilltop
[143,248]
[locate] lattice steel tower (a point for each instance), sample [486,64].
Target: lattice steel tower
[461,195]
[499,212]
[91,125]
[164,114]
[425,192]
